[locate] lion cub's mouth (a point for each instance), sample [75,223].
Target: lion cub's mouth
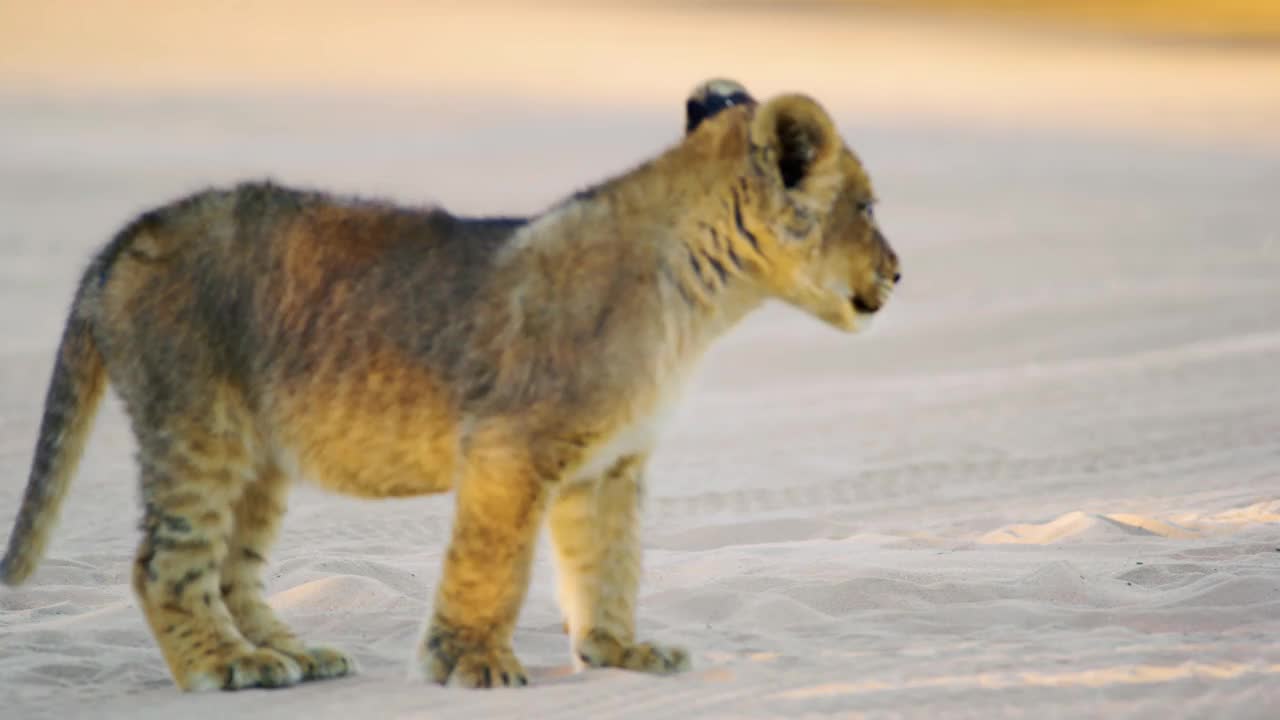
[863,306]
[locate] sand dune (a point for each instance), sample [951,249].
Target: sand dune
[1084,526]
[1046,483]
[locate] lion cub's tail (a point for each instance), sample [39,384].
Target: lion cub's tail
[69,408]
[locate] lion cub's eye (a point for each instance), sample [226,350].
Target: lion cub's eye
[866,209]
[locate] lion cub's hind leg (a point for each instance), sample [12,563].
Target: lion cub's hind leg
[193,473]
[257,518]
[595,533]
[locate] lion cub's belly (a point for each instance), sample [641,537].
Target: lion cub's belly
[369,449]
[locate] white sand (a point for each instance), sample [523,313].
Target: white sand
[1047,482]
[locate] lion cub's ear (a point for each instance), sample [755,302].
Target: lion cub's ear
[800,142]
[712,96]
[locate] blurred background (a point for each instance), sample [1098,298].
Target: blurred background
[291,71]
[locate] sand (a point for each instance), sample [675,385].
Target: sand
[1047,482]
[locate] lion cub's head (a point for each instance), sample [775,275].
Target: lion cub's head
[804,205]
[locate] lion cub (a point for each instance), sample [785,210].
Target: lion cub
[260,334]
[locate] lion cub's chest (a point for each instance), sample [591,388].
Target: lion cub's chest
[655,394]
[637,436]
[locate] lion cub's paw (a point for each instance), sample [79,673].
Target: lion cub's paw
[321,663]
[256,668]
[455,664]
[601,649]
[487,668]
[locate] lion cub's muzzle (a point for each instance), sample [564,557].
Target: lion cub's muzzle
[885,274]
[865,307]
[871,302]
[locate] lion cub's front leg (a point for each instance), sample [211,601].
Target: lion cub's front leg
[500,503]
[595,531]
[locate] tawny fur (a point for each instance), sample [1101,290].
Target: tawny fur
[261,334]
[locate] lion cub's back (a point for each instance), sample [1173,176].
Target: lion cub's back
[264,269]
